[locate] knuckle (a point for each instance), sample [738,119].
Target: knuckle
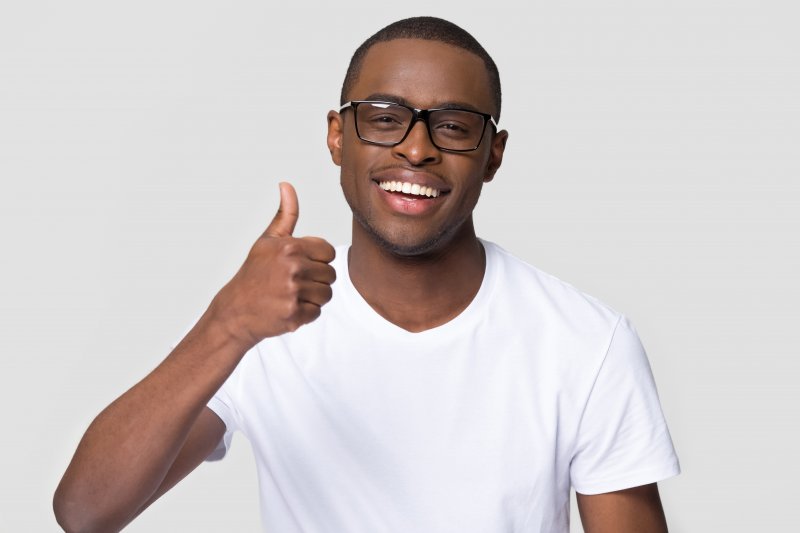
[288,286]
[292,278]
[285,313]
[294,273]
[291,247]
[291,309]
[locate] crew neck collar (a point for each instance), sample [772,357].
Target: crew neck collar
[375,322]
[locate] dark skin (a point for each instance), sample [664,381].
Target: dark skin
[152,436]
[423,269]
[417,265]
[430,288]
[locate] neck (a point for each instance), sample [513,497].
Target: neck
[418,292]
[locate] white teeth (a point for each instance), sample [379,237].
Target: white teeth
[409,188]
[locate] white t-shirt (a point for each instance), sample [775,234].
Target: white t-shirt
[479,425]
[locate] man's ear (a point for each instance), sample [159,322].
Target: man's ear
[335,132]
[496,154]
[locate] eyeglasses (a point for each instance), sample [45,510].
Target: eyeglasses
[389,123]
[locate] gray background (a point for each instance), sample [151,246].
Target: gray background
[652,163]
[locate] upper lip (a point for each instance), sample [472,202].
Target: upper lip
[423,179]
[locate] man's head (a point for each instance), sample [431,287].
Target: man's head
[428,29]
[402,74]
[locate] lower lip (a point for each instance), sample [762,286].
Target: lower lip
[408,204]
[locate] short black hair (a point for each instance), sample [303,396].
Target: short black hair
[429,29]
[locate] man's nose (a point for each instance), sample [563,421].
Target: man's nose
[417,148]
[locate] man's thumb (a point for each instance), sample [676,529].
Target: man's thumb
[286,218]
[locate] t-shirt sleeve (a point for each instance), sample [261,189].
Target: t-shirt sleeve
[623,440]
[223,407]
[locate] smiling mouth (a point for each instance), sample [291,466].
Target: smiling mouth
[414,189]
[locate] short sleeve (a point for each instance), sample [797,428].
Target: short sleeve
[222,406]
[623,440]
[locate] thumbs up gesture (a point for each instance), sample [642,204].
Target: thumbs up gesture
[282,284]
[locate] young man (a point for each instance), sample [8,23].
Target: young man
[444,386]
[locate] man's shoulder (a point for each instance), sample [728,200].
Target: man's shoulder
[540,292]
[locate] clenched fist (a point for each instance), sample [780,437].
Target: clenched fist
[282,284]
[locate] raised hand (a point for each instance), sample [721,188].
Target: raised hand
[282,284]
[158,431]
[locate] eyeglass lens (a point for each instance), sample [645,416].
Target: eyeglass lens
[451,129]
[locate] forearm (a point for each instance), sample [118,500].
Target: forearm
[128,449]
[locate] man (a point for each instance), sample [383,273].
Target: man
[444,386]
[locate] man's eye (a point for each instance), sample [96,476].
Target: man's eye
[452,126]
[385,120]
[452,129]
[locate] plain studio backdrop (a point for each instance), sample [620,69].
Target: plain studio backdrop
[652,163]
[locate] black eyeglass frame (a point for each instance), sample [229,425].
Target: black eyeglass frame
[416,115]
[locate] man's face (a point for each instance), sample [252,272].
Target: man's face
[421,74]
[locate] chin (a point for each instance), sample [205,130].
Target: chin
[412,250]
[396,245]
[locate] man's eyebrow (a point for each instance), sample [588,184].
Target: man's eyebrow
[385,97]
[393,98]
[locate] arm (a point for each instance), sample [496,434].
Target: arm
[160,430]
[634,510]
[128,450]
[203,439]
